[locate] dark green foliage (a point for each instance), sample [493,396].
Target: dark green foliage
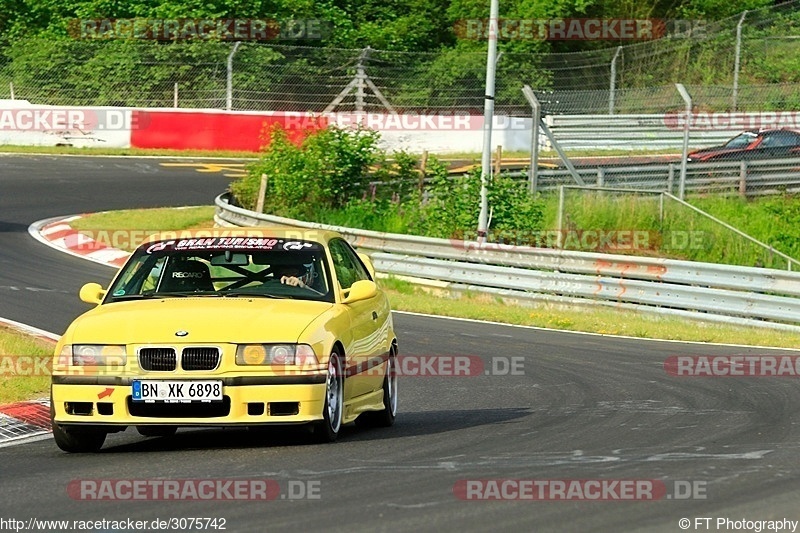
[325,171]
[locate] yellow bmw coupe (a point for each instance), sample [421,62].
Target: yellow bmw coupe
[228,327]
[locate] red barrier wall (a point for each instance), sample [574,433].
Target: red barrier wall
[194,130]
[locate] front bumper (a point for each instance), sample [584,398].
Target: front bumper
[247,401]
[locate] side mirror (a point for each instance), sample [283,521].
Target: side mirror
[361,290]
[368,262]
[92,293]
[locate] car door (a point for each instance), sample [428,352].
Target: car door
[369,322]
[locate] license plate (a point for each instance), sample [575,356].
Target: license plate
[177,391]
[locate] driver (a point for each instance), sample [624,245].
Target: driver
[293,275]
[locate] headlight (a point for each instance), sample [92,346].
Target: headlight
[275,354]
[96,354]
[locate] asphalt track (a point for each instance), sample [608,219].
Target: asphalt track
[584,407]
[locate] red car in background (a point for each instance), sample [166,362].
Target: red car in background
[763,144]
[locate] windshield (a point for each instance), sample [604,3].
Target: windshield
[225,267]
[741,140]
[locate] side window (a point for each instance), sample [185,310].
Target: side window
[346,264]
[785,139]
[777,139]
[141,278]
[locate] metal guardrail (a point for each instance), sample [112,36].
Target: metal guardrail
[633,132]
[735,294]
[749,178]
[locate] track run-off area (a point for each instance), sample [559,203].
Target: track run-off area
[469,452]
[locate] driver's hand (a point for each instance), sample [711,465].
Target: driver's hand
[292,281]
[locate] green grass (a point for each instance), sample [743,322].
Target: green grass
[684,234]
[127,229]
[16,353]
[132,152]
[405,296]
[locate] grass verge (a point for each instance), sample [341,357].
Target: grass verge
[21,358]
[405,296]
[131,152]
[127,229]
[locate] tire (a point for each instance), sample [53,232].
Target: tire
[75,440]
[385,417]
[78,440]
[327,430]
[156,431]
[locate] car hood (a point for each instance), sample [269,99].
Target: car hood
[205,319]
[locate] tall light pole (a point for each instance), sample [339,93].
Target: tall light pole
[488,119]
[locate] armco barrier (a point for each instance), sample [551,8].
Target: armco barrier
[733,294]
[749,178]
[633,132]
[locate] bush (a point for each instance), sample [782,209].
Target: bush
[325,171]
[453,207]
[324,180]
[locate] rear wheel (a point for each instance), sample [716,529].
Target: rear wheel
[156,431]
[327,430]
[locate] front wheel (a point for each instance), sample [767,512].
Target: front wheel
[327,430]
[76,440]
[385,417]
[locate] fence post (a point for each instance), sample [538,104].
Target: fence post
[560,223]
[685,153]
[671,178]
[737,60]
[175,96]
[229,88]
[423,167]
[262,193]
[533,170]
[498,162]
[361,76]
[743,179]
[613,84]
[488,121]
[11,88]
[532,100]
[601,177]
